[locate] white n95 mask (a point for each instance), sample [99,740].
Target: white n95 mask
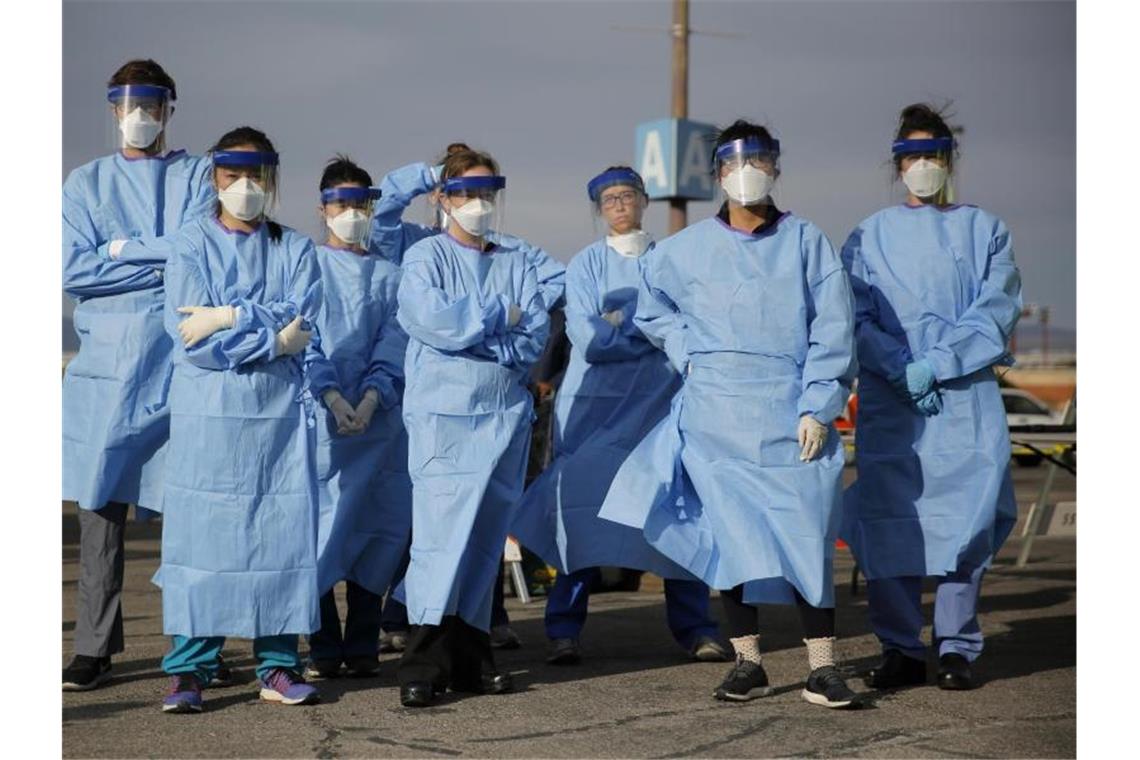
[630,244]
[924,178]
[474,216]
[747,185]
[244,199]
[139,129]
[350,225]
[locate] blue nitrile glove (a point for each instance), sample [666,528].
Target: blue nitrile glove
[919,378]
[930,404]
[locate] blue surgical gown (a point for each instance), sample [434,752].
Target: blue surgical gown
[115,417]
[760,325]
[934,494]
[365,493]
[391,236]
[617,387]
[468,414]
[239,534]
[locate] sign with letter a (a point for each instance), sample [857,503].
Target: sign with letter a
[673,157]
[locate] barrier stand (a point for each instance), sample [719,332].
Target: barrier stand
[1037,511]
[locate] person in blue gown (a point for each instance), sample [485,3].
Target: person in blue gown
[115,415]
[476,322]
[741,483]
[937,297]
[362,451]
[616,388]
[239,534]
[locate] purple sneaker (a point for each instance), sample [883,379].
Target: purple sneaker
[184,695]
[288,688]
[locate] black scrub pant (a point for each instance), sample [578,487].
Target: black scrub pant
[744,619]
[452,654]
[99,609]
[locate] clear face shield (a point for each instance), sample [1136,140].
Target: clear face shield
[747,169]
[348,214]
[618,202]
[141,113]
[924,167]
[474,204]
[246,181]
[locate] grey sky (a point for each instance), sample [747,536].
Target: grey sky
[555,93]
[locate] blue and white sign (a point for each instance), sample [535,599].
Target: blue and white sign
[673,157]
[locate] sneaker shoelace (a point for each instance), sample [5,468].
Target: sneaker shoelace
[282,679]
[831,679]
[182,682]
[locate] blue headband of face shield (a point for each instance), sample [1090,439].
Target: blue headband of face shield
[358,194]
[615,177]
[153,91]
[244,158]
[455,184]
[930,145]
[746,146]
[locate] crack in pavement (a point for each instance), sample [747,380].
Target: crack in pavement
[616,723]
[328,746]
[702,749]
[416,747]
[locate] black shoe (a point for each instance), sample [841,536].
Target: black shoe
[86,673]
[362,667]
[563,652]
[322,669]
[491,682]
[954,673]
[895,671]
[747,680]
[393,641]
[417,694]
[503,637]
[222,677]
[825,686]
[708,649]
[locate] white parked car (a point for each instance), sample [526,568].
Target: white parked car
[1023,408]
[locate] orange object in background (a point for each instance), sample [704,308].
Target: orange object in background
[846,421]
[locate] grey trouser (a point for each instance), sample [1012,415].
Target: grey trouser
[99,612]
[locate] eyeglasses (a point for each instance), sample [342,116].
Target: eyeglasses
[626,197]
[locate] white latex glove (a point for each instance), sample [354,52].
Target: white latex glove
[292,339]
[812,434]
[514,314]
[366,408]
[203,321]
[115,248]
[346,421]
[615,317]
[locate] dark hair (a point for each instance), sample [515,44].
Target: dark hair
[923,117]
[740,130]
[143,71]
[341,169]
[258,139]
[463,159]
[454,147]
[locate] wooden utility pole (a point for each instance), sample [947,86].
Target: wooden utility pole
[677,215]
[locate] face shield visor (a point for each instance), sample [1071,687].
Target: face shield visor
[141,113]
[473,204]
[924,167]
[246,182]
[746,169]
[348,214]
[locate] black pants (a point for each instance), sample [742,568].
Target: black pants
[452,654]
[361,626]
[744,619]
[395,615]
[99,609]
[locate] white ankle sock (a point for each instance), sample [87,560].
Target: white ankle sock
[747,647]
[820,652]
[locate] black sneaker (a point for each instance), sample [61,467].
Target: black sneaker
[747,680]
[563,652]
[364,666]
[825,686]
[86,673]
[222,677]
[322,669]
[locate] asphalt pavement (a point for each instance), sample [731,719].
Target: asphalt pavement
[634,695]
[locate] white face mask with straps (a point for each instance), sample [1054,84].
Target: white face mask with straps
[139,129]
[244,199]
[747,185]
[350,225]
[924,177]
[631,244]
[474,216]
